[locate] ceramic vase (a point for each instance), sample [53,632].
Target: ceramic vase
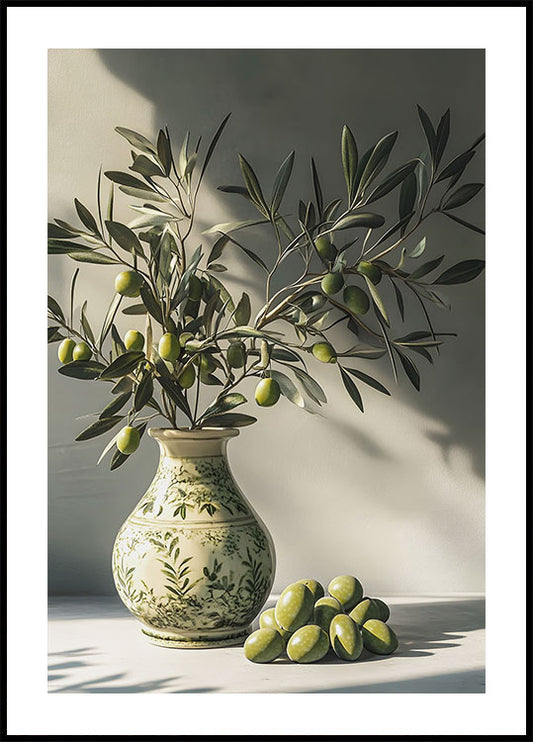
[193,561]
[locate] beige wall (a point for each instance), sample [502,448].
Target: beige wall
[395,495]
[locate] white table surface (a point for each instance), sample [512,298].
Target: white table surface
[95,646]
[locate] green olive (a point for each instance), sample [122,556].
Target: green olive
[236,354]
[365,609]
[356,299]
[128,283]
[128,440]
[267,392]
[267,620]
[64,352]
[195,288]
[324,352]
[371,271]
[347,589]
[169,347]
[346,638]
[325,610]
[263,645]
[134,340]
[378,637]
[384,610]
[308,644]
[187,378]
[315,587]
[332,283]
[294,606]
[325,248]
[81,352]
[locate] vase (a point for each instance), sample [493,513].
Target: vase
[193,561]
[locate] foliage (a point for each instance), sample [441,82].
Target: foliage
[220,338]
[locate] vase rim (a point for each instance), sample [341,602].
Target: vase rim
[186,433]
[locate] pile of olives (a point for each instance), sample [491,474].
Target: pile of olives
[307,624]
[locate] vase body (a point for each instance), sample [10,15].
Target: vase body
[193,561]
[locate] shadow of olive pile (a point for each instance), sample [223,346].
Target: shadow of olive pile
[306,624]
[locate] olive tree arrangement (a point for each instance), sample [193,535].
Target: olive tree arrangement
[200,343]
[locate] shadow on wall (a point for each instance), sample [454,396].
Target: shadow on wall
[287,99]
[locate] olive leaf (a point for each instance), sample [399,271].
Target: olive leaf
[243,310]
[377,160]
[281,181]
[410,369]
[361,219]
[351,388]
[231,420]
[123,365]
[392,181]
[224,404]
[252,184]
[86,217]
[461,196]
[426,268]
[82,369]
[462,272]
[287,388]
[429,131]
[115,405]
[144,391]
[125,179]
[368,380]
[91,256]
[473,227]
[137,140]
[99,427]
[349,158]
[317,188]
[124,237]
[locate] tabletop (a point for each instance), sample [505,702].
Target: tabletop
[95,646]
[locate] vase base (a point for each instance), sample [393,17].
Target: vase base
[164,638]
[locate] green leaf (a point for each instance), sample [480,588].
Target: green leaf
[123,385]
[231,420]
[125,179]
[150,302]
[243,310]
[189,167]
[124,237]
[241,190]
[331,209]
[350,160]
[72,290]
[281,181]
[407,200]
[144,391]
[115,405]
[137,140]
[252,255]
[99,427]
[54,307]
[457,165]
[393,180]
[252,184]
[86,217]
[146,193]
[461,196]
[418,249]
[224,404]
[123,365]
[351,388]
[135,309]
[441,137]
[462,272]
[378,301]
[426,268]
[362,219]
[163,151]
[86,326]
[368,380]
[59,233]
[287,388]
[410,369]
[317,189]
[217,267]
[399,300]
[82,369]
[217,249]
[311,387]
[91,256]
[62,247]
[228,227]
[109,318]
[212,145]
[54,334]
[429,131]
[377,160]
[422,177]
[473,227]
[175,393]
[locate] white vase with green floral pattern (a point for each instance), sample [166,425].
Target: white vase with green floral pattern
[193,562]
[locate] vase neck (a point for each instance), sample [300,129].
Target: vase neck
[192,443]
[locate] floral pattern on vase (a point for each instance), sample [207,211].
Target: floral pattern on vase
[193,562]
